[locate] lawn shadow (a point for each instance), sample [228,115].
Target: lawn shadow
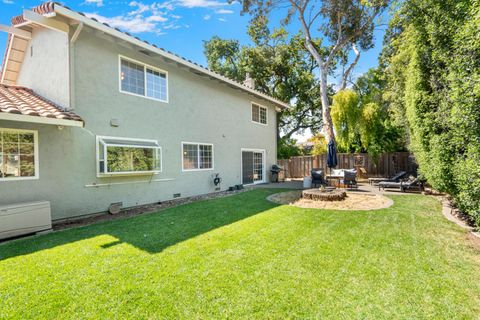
[154,232]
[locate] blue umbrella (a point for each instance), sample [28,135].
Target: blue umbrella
[331,154]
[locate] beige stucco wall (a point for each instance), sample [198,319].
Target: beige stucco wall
[199,110]
[45,69]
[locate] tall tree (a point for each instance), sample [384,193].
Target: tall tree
[280,66]
[342,25]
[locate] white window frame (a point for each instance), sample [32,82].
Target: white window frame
[198,156]
[124,173]
[35,154]
[264,164]
[260,107]
[145,66]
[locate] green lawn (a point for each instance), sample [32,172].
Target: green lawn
[243,257]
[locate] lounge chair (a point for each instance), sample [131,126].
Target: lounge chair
[317,177]
[395,178]
[410,184]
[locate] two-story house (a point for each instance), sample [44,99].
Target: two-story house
[91,116]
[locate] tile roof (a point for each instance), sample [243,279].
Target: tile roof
[24,101]
[49,8]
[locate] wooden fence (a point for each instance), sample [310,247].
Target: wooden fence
[387,164]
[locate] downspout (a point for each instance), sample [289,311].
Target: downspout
[71,54]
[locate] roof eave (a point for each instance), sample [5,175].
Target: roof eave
[40,120]
[118,34]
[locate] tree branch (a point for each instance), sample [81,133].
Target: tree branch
[346,74]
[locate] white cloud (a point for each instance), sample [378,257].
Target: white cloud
[7,1]
[201,3]
[98,3]
[223,11]
[131,24]
[156,17]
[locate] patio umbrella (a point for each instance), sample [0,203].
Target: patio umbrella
[331,154]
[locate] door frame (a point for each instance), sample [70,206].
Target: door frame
[264,164]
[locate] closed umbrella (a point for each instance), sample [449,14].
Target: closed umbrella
[331,154]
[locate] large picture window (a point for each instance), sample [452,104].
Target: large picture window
[117,156]
[197,156]
[18,154]
[142,80]
[259,114]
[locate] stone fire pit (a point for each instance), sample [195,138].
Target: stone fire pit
[324,195]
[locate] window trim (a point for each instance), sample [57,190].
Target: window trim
[35,154]
[198,156]
[124,173]
[145,66]
[260,107]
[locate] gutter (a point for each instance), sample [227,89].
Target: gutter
[40,120]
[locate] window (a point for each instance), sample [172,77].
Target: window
[259,114]
[18,154]
[142,80]
[128,156]
[197,156]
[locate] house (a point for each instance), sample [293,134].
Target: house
[91,116]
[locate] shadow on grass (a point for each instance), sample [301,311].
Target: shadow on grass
[154,232]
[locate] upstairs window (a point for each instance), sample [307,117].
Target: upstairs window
[197,156]
[259,114]
[121,156]
[18,154]
[142,80]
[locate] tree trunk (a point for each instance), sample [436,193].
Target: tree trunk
[326,117]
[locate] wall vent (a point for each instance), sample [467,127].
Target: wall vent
[115,207]
[177,195]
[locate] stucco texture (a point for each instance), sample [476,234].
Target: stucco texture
[199,110]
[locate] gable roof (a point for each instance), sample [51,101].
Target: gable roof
[51,9]
[16,103]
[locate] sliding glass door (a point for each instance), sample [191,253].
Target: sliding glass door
[253,166]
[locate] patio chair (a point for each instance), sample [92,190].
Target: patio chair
[350,179]
[317,177]
[395,178]
[410,184]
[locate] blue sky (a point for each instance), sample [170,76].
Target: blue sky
[176,25]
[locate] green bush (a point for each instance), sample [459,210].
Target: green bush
[432,63]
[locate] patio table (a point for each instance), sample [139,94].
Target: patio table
[337,179]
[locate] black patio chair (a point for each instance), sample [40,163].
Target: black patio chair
[350,179]
[410,184]
[396,178]
[317,177]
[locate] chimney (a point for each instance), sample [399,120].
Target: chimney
[249,82]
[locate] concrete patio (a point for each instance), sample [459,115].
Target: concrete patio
[363,187]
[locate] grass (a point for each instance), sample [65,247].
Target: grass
[243,257]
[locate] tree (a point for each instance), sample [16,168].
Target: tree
[319,145]
[362,119]
[344,25]
[288,148]
[280,67]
